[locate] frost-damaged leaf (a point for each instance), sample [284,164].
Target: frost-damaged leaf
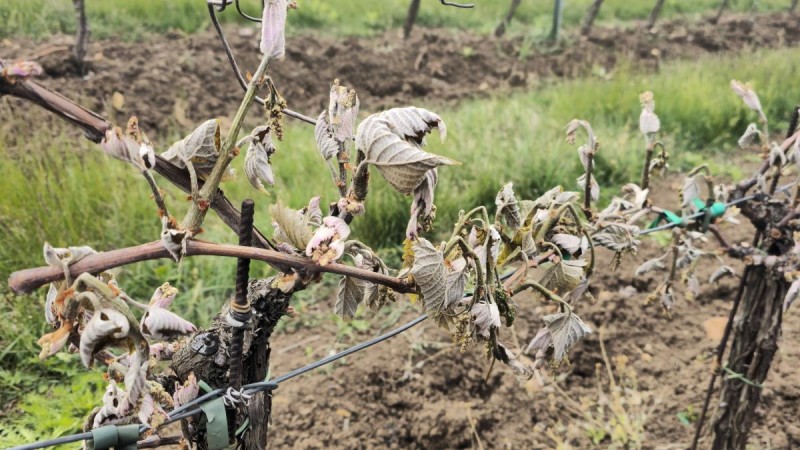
[201,148]
[456,282]
[520,369]
[721,272]
[106,326]
[112,399]
[290,227]
[429,273]
[484,316]
[564,275]
[273,24]
[650,266]
[414,123]
[565,330]
[58,257]
[508,207]
[343,112]
[749,134]
[691,190]
[422,207]
[186,392]
[328,242]
[636,194]
[748,95]
[49,304]
[123,147]
[571,243]
[175,243]
[648,120]
[391,142]
[257,159]
[576,294]
[161,324]
[617,237]
[791,295]
[163,296]
[350,294]
[776,155]
[326,144]
[594,189]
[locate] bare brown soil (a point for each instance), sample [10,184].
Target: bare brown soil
[169,79]
[417,391]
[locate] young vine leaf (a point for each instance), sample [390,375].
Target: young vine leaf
[565,330]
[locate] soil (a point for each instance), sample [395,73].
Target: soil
[181,80]
[417,390]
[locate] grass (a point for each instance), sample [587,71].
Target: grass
[59,188]
[132,19]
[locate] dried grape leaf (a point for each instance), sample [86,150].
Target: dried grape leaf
[273,24]
[566,329]
[291,227]
[327,145]
[650,266]
[617,237]
[201,147]
[508,207]
[791,295]
[429,273]
[391,142]
[350,294]
[721,272]
[564,275]
[456,282]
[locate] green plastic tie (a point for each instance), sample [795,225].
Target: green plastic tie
[120,437]
[216,424]
[738,376]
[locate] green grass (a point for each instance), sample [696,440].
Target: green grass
[59,188]
[132,19]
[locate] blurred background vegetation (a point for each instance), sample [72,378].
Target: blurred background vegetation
[57,187]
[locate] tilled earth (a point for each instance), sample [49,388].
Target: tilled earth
[180,80]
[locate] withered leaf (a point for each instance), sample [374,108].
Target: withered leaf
[327,146]
[290,228]
[391,142]
[791,295]
[721,272]
[456,282]
[350,294]
[564,275]
[105,327]
[650,266]
[565,329]
[508,207]
[201,147]
[617,237]
[429,273]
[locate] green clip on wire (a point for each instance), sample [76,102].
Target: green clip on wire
[717,209]
[120,437]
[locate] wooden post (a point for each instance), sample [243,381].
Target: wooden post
[82,38]
[588,21]
[721,8]
[501,28]
[413,9]
[755,342]
[558,15]
[654,13]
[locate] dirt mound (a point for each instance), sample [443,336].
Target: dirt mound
[179,80]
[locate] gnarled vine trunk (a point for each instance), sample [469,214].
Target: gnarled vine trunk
[755,340]
[211,363]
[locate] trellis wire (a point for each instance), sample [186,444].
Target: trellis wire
[182,413]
